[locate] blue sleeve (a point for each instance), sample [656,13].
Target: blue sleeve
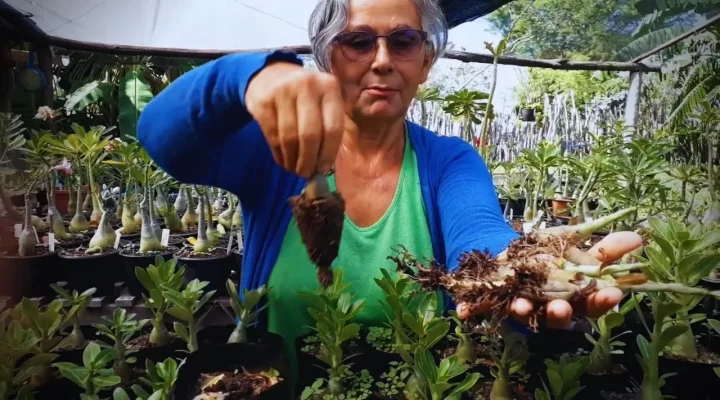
[469,207]
[196,129]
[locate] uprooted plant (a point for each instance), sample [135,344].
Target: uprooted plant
[161,275]
[539,267]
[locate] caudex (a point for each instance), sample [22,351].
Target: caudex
[540,266]
[319,214]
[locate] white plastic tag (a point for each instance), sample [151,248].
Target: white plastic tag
[117,240]
[527,227]
[165,237]
[240,241]
[543,225]
[511,214]
[589,219]
[51,242]
[18,230]
[37,239]
[230,243]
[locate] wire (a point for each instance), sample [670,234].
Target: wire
[270,15]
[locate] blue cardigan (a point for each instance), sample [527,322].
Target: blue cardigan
[199,131]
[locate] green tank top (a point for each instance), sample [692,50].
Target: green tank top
[363,253]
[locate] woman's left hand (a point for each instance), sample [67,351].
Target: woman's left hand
[559,312]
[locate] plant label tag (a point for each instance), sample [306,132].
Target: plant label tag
[511,214]
[527,227]
[240,242]
[165,237]
[51,242]
[37,239]
[18,230]
[117,240]
[230,243]
[589,219]
[543,225]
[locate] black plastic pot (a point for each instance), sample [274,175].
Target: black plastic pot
[552,342]
[72,244]
[215,269]
[230,357]
[29,276]
[517,207]
[691,376]
[132,260]
[617,382]
[100,271]
[527,114]
[309,368]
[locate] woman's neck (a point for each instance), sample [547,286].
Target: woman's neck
[372,142]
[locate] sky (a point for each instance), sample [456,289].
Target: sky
[217,25]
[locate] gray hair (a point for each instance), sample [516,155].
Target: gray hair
[331,16]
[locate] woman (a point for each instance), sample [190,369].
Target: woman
[259,125]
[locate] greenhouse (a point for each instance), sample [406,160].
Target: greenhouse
[360,199]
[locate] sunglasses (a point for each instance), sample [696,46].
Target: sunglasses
[404,44]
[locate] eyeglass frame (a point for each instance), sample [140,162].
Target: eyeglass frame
[423,35]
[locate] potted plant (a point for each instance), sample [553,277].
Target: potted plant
[527,111]
[205,260]
[31,268]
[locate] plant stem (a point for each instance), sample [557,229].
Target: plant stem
[650,387]
[192,331]
[594,271]
[678,288]
[159,335]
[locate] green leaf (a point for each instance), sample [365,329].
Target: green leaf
[671,333]
[180,313]
[90,93]
[466,384]
[134,95]
[90,353]
[120,394]
[39,360]
[106,381]
[703,268]
[76,374]
[613,320]
[349,331]
[426,364]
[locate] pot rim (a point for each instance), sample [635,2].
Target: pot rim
[48,254]
[136,255]
[89,256]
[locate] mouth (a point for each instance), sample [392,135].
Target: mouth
[380,91]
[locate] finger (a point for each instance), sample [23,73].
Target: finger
[615,245]
[559,314]
[466,311]
[333,116]
[266,117]
[602,301]
[521,310]
[288,131]
[310,133]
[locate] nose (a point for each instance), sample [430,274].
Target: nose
[382,63]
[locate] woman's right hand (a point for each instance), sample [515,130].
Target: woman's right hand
[301,114]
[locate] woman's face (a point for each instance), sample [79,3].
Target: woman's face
[380,82]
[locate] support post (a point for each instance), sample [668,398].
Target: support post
[6,76]
[632,105]
[45,64]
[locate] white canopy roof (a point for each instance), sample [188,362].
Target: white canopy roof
[182,24]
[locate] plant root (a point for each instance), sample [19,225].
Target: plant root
[524,271]
[320,222]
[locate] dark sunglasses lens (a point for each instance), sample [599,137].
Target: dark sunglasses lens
[357,45]
[406,43]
